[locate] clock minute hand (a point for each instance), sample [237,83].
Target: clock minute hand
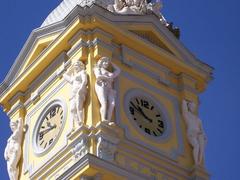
[141,111]
[47,130]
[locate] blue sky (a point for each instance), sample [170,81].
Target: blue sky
[210,29]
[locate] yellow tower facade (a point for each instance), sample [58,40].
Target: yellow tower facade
[65,133]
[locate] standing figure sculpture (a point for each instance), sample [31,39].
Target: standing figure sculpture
[195,132]
[77,77]
[13,149]
[103,86]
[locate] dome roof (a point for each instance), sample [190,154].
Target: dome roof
[63,9]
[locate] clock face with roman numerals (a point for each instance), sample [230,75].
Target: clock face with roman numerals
[146,115]
[49,127]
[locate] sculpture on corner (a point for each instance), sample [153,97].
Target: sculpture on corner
[13,149]
[77,77]
[104,87]
[195,132]
[137,7]
[129,7]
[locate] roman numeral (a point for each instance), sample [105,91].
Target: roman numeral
[41,136]
[155,134]
[52,113]
[159,130]
[58,109]
[147,131]
[51,140]
[131,109]
[41,143]
[145,104]
[137,100]
[161,124]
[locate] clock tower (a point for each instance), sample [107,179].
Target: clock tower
[105,90]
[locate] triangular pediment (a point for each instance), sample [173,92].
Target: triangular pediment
[149,30]
[156,34]
[35,45]
[38,47]
[152,38]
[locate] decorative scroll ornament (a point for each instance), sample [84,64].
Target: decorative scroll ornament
[13,149]
[77,77]
[195,132]
[104,87]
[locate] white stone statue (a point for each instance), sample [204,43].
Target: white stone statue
[104,87]
[129,7]
[77,77]
[195,132]
[13,149]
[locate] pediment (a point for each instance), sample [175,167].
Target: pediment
[151,32]
[36,43]
[152,38]
[156,34]
[37,48]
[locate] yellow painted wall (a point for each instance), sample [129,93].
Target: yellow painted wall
[62,42]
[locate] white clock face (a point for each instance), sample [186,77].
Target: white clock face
[146,115]
[49,128]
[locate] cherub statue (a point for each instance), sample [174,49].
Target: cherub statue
[77,77]
[195,132]
[103,86]
[13,149]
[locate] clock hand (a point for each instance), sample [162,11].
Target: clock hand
[47,130]
[139,110]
